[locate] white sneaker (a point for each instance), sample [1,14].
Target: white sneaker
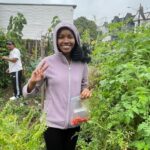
[13,98]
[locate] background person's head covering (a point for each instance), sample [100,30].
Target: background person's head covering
[10,42]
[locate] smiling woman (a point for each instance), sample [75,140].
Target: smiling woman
[66,77]
[65,41]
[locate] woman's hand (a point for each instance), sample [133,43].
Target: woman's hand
[86,93]
[37,75]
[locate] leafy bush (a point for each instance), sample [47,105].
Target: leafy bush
[20,128]
[120,106]
[4,79]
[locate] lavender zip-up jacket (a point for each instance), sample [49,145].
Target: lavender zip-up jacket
[63,82]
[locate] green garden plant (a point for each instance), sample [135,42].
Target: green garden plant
[120,106]
[21,128]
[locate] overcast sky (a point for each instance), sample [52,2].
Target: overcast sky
[101,10]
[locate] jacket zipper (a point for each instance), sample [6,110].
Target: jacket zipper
[69,87]
[68,108]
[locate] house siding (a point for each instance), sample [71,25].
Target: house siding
[38,17]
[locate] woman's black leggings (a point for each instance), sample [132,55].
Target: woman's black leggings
[61,139]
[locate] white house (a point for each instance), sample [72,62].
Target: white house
[38,16]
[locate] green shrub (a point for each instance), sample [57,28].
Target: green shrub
[120,106]
[20,127]
[4,78]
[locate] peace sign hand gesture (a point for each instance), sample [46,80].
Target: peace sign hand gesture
[37,75]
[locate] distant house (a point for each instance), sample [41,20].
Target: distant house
[38,16]
[139,18]
[128,17]
[104,30]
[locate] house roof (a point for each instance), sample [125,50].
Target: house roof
[35,3]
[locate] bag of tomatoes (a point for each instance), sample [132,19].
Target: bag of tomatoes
[79,113]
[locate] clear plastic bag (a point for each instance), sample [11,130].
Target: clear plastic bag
[79,112]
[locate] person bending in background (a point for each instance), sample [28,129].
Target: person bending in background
[66,76]
[15,68]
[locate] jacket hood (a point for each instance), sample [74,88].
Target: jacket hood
[62,25]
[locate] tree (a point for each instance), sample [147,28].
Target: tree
[48,35]
[83,24]
[54,22]
[15,27]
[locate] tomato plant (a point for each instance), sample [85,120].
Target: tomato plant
[120,106]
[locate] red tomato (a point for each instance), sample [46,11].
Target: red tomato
[77,120]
